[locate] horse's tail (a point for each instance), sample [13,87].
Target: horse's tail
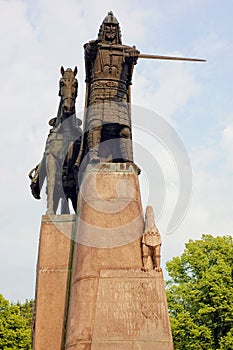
[37,176]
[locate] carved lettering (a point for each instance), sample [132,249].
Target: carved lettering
[131,304]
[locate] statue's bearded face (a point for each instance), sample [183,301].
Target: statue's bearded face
[110,32]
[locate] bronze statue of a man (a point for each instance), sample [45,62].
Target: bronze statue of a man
[109,69]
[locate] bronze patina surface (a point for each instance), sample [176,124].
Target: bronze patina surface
[61,150]
[109,68]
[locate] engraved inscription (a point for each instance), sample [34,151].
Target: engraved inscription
[131,305]
[114,167]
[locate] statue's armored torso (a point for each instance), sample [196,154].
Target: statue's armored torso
[109,68]
[110,76]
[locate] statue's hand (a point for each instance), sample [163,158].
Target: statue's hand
[132,54]
[91,49]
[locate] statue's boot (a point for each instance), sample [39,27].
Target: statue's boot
[126,147]
[94,137]
[126,150]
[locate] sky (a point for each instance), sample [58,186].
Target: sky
[193,100]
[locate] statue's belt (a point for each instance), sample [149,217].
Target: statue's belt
[102,83]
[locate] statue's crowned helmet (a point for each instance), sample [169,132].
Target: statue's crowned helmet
[110,30]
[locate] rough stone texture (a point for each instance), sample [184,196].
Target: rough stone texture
[131,311]
[128,312]
[54,259]
[108,285]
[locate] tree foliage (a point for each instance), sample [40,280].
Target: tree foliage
[15,325]
[200,295]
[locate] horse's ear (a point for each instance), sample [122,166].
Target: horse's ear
[75,70]
[62,71]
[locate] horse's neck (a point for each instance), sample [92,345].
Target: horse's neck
[59,115]
[64,121]
[68,123]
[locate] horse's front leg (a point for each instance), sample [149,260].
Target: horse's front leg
[51,179]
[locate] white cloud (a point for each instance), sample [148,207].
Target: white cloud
[165,87]
[212,44]
[212,206]
[227,145]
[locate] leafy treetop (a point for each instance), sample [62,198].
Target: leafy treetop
[200,294]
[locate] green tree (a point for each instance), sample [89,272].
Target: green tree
[15,325]
[200,295]
[26,310]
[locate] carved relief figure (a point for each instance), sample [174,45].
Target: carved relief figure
[151,243]
[109,69]
[61,150]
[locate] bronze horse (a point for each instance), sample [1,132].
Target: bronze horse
[61,150]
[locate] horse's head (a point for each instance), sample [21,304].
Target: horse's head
[68,90]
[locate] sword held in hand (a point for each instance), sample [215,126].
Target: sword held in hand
[136,53]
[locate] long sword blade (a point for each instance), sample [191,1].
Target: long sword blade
[159,57]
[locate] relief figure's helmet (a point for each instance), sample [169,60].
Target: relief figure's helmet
[110,30]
